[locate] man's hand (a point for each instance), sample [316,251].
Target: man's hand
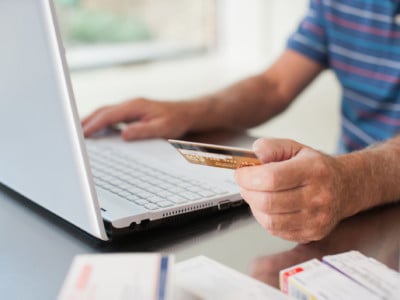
[298,193]
[144,119]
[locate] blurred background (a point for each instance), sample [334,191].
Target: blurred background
[105,32]
[179,49]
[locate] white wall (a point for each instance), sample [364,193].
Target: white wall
[257,28]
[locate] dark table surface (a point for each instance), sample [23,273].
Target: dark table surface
[37,247]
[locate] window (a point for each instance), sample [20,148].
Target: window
[103,32]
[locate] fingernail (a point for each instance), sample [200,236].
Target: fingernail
[126,135]
[257,145]
[85,130]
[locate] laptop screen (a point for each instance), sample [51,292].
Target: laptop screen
[41,154]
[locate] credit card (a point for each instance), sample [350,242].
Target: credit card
[215,155]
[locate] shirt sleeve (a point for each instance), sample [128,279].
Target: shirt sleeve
[310,37]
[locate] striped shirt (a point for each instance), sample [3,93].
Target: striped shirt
[360,41]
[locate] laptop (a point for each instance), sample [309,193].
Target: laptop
[104,186]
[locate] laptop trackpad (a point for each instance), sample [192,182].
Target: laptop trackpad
[114,207]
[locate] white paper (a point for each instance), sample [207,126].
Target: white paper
[325,283]
[118,277]
[368,272]
[201,278]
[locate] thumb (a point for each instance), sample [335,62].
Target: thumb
[274,150]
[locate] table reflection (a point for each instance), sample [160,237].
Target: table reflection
[375,233]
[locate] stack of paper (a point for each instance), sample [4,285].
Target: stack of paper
[151,277]
[349,275]
[118,277]
[203,278]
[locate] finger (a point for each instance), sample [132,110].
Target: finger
[297,236]
[301,236]
[110,116]
[274,150]
[297,227]
[274,177]
[88,118]
[98,122]
[283,202]
[143,130]
[281,222]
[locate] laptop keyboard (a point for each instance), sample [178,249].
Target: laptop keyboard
[143,185]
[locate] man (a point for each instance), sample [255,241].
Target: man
[299,193]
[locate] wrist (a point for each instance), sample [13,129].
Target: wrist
[370,177]
[198,114]
[353,168]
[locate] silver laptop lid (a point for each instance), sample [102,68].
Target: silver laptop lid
[42,154]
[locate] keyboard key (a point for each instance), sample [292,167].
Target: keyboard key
[155,199]
[190,196]
[151,206]
[124,194]
[133,198]
[177,199]
[141,201]
[206,193]
[195,188]
[144,194]
[219,191]
[165,203]
[165,194]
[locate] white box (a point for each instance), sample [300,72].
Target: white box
[314,280]
[368,272]
[144,276]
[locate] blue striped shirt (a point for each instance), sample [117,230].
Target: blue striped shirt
[360,41]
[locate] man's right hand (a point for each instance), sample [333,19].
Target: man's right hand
[144,119]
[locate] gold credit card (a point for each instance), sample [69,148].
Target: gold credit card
[215,155]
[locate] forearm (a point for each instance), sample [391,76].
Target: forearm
[246,104]
[372,177]
[256,99]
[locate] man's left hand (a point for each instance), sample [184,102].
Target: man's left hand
[298,193]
